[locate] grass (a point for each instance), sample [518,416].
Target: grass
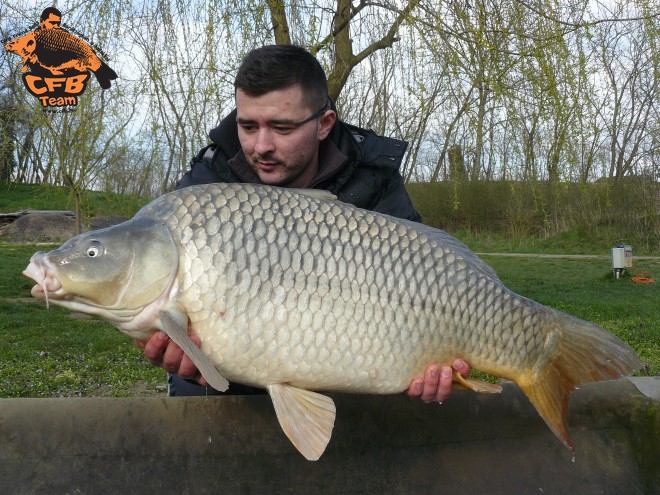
[49,353]
[18,196]
[561,243]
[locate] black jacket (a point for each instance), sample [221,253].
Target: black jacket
[368,176]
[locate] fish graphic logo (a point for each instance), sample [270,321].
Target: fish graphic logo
[58,61]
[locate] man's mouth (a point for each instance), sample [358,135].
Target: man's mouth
[267,166]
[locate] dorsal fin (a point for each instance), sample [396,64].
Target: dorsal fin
[449,241]
[321,194]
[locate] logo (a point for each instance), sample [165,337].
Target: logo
[57,64]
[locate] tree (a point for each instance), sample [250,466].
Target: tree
[516,85]
[78,144]
[173,47]
[632,76]
[8,117]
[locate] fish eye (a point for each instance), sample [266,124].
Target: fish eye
[94,249]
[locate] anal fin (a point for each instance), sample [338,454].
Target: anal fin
[306,417]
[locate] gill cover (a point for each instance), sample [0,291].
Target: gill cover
[125,266]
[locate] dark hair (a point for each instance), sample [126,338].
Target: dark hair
[50,10]
[274,67]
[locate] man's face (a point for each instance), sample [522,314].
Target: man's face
[51,22]
[281,153]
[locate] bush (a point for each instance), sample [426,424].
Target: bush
[605,213]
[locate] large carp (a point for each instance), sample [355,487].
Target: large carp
[58,51]
[293,291]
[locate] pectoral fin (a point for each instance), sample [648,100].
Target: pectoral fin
[175,324]
[477,385]
[307,418]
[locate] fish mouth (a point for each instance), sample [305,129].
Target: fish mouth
[47,286]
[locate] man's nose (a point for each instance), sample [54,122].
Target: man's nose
[264,143]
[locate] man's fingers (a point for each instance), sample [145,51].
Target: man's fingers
[444,385]
[436,384]
[154,348]
[416,387]
[187,368]
[462,367]
[175,361]
[430,383]
[161,351]
[172,358]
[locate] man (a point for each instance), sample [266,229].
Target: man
[285,132]
[51,18]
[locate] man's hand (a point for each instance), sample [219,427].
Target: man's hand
[161,351]
[435,386]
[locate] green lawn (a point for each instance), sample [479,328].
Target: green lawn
[18,196]
[50,353]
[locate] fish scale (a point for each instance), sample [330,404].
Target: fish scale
[295,292]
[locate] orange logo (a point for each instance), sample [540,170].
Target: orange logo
[59,63]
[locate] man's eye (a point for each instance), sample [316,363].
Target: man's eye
[283,130]
[248,128]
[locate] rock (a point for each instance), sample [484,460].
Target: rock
[41,227]
[51,227]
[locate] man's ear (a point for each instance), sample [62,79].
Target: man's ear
[325,124]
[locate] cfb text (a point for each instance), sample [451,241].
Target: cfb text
[53,89]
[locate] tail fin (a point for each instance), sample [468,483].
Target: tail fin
[104,75]
[584,353]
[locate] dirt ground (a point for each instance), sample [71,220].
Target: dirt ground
[48,227]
